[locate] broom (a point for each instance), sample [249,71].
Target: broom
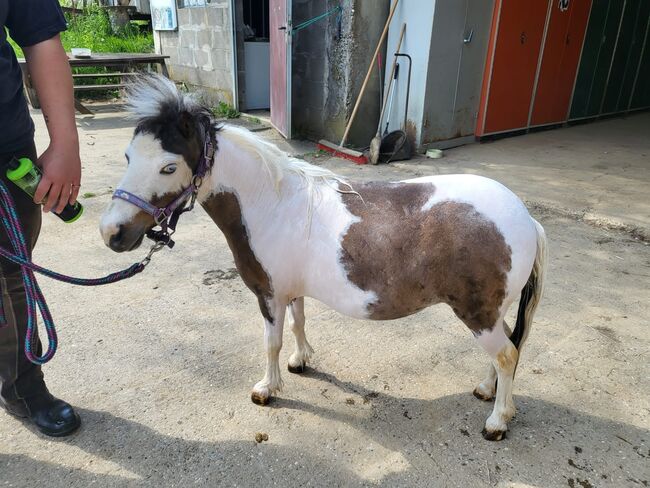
[356,156]
[375,144]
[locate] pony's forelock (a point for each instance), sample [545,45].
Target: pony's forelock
[148,95]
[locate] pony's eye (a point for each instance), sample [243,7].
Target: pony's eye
[169,169]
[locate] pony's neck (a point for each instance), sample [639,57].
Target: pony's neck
[243,172]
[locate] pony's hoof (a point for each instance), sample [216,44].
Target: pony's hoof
[482,394]
[300,369]
[496,435]
[260,399]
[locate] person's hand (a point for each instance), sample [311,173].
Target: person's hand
[61,168]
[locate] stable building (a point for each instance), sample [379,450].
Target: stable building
[478,68]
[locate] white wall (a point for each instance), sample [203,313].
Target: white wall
[418,16]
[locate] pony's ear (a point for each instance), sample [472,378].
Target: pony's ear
[186,124]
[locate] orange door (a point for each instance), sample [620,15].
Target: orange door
[512,65]
[562,47]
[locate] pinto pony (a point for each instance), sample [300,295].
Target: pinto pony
[376,250]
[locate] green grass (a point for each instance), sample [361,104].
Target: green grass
[93,30]
[313,154]
[224,110]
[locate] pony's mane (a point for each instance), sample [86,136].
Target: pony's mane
[277,162]
[150,96]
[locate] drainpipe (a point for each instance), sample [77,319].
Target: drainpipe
[235,83]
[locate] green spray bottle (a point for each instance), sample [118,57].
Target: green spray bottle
[26,175]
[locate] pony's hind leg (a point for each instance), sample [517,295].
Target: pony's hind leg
[504,358]
[487,388]
[301,356]
[272,381]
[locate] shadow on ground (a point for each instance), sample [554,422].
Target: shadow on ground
[421,430]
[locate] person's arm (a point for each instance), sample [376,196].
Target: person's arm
[50,72]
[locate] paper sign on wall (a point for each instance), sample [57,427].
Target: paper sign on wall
[163,15]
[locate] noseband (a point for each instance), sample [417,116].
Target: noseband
[167,217]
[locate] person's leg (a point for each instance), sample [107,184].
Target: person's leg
[19,377]
[22,388]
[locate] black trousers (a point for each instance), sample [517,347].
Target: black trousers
[19,378]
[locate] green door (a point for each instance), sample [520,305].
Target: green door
[608,44]
[636,49]
[641,95]
[622,56]
[589,58]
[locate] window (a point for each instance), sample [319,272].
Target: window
[256,19]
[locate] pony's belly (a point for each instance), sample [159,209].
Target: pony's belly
[345,298]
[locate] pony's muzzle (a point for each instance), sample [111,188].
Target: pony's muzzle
[125,239]
[121,237]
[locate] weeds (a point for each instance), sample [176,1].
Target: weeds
[224,110]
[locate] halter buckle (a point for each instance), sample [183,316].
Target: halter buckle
[161,216]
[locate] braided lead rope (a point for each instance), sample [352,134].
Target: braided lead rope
[34,296]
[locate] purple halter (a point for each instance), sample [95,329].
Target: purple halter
[167,217]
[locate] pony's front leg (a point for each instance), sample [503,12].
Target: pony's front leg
[504,358]
[301,356]
[272,381]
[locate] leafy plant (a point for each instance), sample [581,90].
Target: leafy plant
[225,110]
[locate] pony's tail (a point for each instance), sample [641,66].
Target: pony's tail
[531,294]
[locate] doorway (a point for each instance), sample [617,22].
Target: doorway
[253,54]
[263,47]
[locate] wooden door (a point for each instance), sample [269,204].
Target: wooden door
[510,73]
[280,54]
[561,53]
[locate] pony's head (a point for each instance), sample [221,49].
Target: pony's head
[162,157]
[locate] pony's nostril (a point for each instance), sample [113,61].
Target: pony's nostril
[117,237]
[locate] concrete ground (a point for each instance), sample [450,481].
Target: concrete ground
[160,367]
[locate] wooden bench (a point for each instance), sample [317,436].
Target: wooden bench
[126,65]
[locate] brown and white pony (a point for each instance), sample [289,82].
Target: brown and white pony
[378,251]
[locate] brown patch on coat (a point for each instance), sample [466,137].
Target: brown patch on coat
[413,259]
[225,210]
[507,358]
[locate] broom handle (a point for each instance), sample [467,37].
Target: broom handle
[392,75]
[370,68]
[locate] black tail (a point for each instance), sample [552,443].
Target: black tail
[524,300]
[531,292]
